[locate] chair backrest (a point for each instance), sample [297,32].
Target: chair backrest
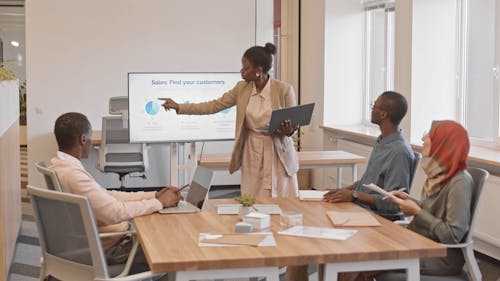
[50,176]
[416,164]
[479,177]
[68,235]
[118,105]
[116,149]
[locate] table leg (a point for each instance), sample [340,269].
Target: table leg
[339,177]
[412,267]
[271,274]
[174,166]
[413,272]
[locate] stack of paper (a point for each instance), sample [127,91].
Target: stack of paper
[234,209]
[357,218]
[258,220]
[312,195]
[319,232]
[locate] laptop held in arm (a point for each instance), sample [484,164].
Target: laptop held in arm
[298,115]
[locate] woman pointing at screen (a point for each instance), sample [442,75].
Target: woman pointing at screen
[268,162]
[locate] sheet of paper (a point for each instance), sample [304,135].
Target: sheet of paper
[312,195]
[234,209]
[270,209]
[235,239]
[384,192]
[268,240]
[357,218]
[319,232]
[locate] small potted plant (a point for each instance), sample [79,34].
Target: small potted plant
[246,202]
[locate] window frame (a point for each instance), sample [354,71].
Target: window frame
[389,51]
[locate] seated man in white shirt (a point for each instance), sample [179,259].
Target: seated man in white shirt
[112,209]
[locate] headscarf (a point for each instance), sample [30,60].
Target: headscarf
[448,154]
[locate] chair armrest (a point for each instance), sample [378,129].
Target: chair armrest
[117,233]
[134,277]
[130,258]
[457,246]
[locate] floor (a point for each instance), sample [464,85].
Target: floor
[25,266]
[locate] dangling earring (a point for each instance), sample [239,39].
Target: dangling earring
[257,74]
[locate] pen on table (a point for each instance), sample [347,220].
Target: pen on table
[345,222]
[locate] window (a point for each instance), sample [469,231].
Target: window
[480,110]
[454,66]
[379,51]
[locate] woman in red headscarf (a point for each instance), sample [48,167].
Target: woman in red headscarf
[443,214]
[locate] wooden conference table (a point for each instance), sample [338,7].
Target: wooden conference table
[307,159]
[170,243]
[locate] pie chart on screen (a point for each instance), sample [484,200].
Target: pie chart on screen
[152,108]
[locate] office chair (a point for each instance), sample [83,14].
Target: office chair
[117,154]
[118,105]
[71,246]
[416,164]
[479,177]
[50,176]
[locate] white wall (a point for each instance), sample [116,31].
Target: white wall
[344,24]
[79,53]
[312,72]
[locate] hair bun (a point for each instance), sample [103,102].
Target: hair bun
[270,48]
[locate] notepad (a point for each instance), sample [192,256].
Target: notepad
[236,239]
[357,218]
[266,239]
[319,232]
[311,195]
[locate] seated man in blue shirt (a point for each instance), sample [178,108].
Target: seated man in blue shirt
[390,163]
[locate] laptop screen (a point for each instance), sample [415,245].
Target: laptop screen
[200,185]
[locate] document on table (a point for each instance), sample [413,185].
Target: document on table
[234,209]
[356,218]
[384,192]
[256,239]
[311,195]
[319,232]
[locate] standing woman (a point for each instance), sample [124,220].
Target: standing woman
[268,162]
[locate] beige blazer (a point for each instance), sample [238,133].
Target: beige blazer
[282,95]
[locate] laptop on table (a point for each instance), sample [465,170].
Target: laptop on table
[198,192]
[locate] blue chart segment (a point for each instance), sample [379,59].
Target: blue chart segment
[152,108]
